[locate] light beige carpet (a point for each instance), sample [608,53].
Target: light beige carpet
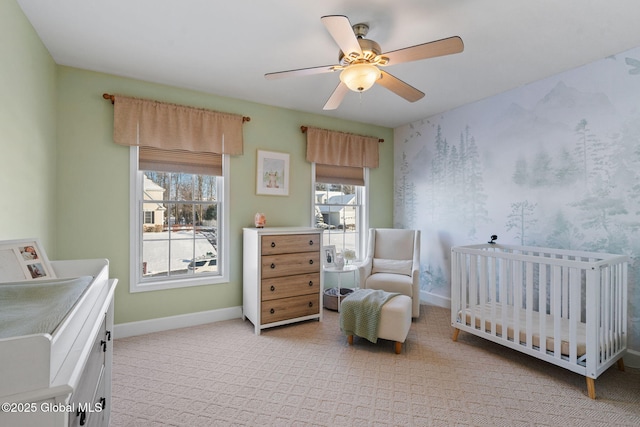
[305,374]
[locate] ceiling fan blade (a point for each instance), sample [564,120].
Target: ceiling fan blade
[340,29]
[336,97]
[432,49]
[300,72]
[399,87]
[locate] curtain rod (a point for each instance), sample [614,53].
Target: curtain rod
[304,130]
[112,98]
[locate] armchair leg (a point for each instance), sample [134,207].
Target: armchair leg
[350,339]
[398,347]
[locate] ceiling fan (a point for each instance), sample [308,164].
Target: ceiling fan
[359,61]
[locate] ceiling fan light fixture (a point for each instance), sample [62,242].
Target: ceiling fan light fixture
[360,77]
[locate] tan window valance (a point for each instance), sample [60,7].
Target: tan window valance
[146,123]
[341,149]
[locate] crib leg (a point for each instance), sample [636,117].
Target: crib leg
[621,364]
[591,387]
[456,331]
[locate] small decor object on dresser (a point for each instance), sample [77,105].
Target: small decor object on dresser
[282,275]
[260,220]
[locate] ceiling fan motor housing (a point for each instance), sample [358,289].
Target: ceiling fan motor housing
[370,51]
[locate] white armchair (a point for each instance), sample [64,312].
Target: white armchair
[393,264]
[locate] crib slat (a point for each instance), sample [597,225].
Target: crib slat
[482,291]
[473,288]
[593,321]
[574,315]
[517,300]
[504,298]
[529,326]
[558,276]
[542,307]
[492,292]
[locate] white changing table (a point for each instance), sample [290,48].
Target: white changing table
[63,378]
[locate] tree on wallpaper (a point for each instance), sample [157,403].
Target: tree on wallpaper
[454,182]
[405,195]
[522,218]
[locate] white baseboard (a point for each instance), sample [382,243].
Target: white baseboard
[123,330]
[632,359]
[433,299]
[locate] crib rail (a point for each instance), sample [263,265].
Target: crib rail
[565,307]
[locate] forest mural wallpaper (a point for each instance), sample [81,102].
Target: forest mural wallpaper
[555,163]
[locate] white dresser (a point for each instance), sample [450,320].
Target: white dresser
[282,275]
[63,377]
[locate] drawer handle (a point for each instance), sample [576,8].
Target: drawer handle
[273,265]
[103,344]
[273,288]
[310,242]
[310,261]
[273,244]
[310,304]
[272,311]
[82,415]
[310,282]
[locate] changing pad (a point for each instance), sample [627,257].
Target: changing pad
[38,307]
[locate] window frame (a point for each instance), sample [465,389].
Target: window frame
[135,240]
[363,216]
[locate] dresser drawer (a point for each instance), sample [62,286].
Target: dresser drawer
[290,264]
[289,286]
[289,308]
[290,243]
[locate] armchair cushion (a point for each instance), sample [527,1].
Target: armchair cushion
[391,283]
[393,266]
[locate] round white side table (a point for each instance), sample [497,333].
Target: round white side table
[347,269]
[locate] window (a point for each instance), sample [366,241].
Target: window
[341,210]
[178,218]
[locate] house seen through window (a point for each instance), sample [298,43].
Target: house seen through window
[340,210]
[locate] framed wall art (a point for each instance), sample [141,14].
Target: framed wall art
[23,260]
[272,173]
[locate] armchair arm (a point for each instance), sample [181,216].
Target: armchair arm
[364,270]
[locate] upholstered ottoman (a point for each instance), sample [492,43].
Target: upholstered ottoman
[393,323]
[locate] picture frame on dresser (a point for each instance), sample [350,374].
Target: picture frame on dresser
[272,173]
[24,259]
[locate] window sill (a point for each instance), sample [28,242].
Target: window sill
[159,285]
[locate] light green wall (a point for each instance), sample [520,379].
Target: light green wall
[27,131]
[93,183]
[64,181]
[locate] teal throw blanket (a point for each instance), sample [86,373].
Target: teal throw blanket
[360,312]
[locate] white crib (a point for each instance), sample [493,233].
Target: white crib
[568,308]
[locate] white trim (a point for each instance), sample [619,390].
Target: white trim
[123,330]
[435,299]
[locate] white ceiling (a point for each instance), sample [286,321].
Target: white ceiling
[226,47]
